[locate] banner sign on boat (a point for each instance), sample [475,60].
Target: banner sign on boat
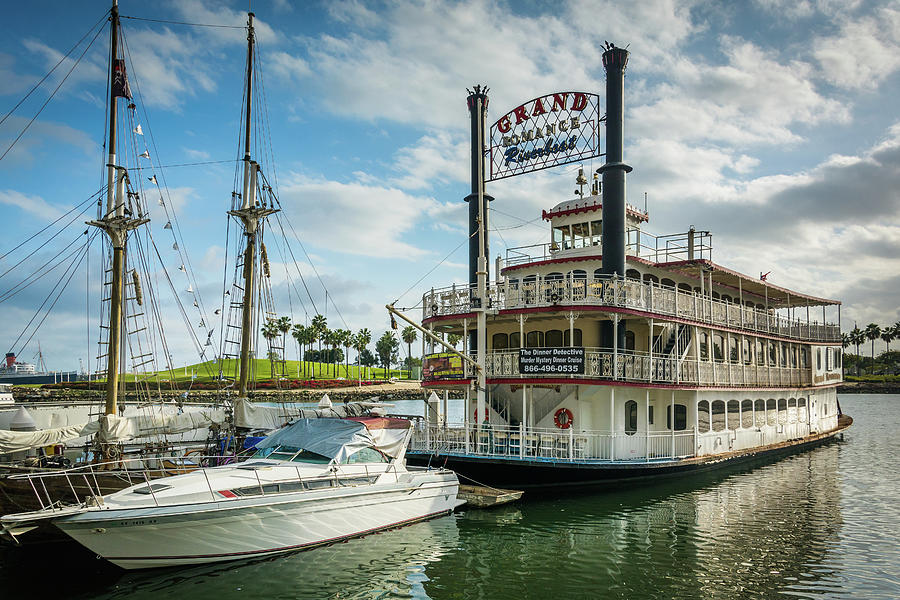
[442,366]
[551,361]
[552,130]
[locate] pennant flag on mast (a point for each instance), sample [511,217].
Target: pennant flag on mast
[120,80]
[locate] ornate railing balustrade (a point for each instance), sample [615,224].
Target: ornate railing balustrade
[645,368]
[568,445]
[626,293]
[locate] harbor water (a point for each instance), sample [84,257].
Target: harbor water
[820,524]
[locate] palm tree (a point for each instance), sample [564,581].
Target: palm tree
[346,340]
[453,339]
[409,335]
[270,331]
[304,337]
[332,339]
[284,326]
[857,337]
[319,326]
[362,339]
[888,334]
[873,332]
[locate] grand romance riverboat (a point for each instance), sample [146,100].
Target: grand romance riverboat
[671,364]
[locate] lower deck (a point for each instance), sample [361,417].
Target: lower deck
[609,424]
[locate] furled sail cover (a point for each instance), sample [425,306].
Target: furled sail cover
[335,439]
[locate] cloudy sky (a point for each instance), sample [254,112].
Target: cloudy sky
[774,124]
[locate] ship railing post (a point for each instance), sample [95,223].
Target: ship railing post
[522,438]
[571,442]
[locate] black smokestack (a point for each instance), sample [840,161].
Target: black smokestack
[613,173]
[478,103]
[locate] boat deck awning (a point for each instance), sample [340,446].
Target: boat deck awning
[750,287]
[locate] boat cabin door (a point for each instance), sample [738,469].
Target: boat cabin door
[813,415]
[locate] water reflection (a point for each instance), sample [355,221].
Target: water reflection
[747,534]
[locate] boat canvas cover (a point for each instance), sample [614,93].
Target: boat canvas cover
[256,416]
[336,439]
[390,434]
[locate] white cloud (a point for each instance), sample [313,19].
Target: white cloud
[864,53]
[34,205]
[356,218]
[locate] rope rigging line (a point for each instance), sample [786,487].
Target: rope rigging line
[47,242]
[54,222]
[191,164]
[39,274]
[177,234]
[183,23]
[432,270]
[70,272]
[50,72]
[49,98]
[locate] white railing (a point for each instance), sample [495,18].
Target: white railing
[556,445]
[642,367]
[625,293]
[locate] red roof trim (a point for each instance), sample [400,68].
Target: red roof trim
[547,215]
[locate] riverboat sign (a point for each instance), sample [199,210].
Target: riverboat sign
[552,130]
[442,366]
[551,361]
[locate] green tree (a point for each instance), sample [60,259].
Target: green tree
[361,340]
[453,339]
[409,335]
[873,332]
[888,335]
[284,326]
[387,347]
[270,331]
[319,326]
[857,337]
[346,337]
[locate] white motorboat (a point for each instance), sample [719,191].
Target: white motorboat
[314,482]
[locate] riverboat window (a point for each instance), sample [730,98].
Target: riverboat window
[782,411]
[529,286]
[745,351]
[685,288]
[650,414]
[818,359]
[718,415]
[703,416]
[825,408]
[580,232]
[579,278]
[747,414]
[534,339]
[630,417]
[500,341]
[555,276]
[759,409]
[801,409]
[514,340]
[651,278]
[598,274]
[629,340]
[667,283]
[553,338]
[827,359]
[726,298]
[772,361]
[718,351]
[680,417]
[804,358]
[733,415]
[716,296]
[732,349]
[771,412]
[577,342]
[596,228]
[760,353]
[704,346]
[792,410]
[633,274]
[793,350]
[783,352]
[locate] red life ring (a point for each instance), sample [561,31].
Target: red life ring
[475,415]
[563,418]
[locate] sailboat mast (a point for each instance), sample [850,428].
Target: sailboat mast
[249,214]
[114,222]
[118,241]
